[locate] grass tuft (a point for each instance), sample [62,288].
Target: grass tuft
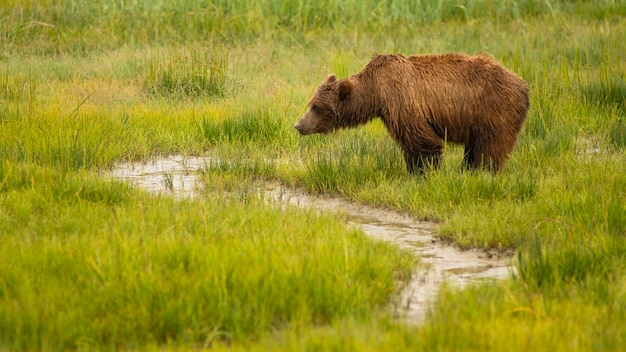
[608,94]
[574,260]
[18,94]
[617,133]
[263,127]
[190,74]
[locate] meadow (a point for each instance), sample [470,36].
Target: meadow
[92,263]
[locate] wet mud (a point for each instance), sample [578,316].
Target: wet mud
[442,262]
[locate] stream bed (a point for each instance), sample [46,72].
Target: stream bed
[179,176]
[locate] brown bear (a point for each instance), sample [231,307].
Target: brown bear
[425,100]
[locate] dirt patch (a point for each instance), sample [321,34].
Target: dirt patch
[178,176]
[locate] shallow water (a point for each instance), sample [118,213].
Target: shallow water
[178,176]
[172,175]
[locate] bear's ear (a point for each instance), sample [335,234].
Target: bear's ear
[330,79]
[344,88]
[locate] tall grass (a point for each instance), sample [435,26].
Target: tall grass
[81,26]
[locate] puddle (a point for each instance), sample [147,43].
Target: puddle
[178,176]
[172,175]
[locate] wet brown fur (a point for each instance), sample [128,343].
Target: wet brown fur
[424,100]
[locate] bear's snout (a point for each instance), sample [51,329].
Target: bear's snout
[302,126]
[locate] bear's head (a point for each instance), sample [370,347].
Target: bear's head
[323,112]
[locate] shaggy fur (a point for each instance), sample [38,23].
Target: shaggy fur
[424,100]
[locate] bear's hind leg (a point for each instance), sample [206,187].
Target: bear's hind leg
[487,156]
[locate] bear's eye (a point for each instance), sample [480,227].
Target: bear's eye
[321,112]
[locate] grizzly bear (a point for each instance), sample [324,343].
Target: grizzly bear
[425,100]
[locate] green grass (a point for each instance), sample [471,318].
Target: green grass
[154,270]
[90,263]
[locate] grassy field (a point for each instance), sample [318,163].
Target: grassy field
[91,263]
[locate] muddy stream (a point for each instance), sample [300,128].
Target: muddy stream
[179,177]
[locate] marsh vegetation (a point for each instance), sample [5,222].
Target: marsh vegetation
[92,263]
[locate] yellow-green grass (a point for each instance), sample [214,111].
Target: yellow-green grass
[91,263]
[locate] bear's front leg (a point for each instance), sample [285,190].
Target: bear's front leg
[419,162]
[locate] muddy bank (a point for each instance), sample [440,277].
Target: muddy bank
[178,176]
